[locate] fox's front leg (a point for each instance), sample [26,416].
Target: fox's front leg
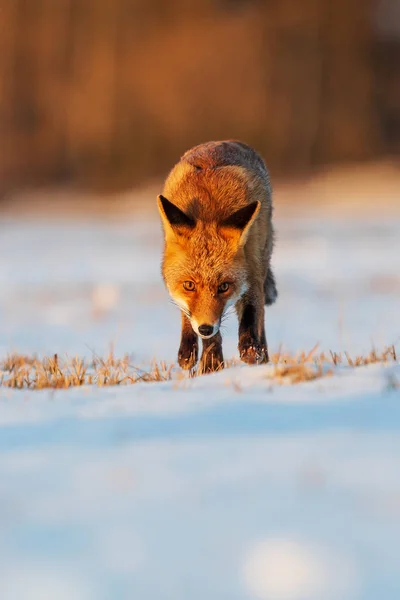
[212,358]
[189,347]
[252,341]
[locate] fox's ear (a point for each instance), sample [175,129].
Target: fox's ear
[175,221]
[239,222]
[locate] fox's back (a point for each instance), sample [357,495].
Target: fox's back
[213,155]
[216,178]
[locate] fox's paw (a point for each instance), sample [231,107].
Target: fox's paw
[187,355]
[253,354]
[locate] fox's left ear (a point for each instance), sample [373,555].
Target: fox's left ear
[239,222]
[175,221]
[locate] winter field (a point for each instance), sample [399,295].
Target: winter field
[232,486]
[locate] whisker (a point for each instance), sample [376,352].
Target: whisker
[184,310]
[227,313]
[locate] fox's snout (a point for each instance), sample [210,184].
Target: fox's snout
[206,331]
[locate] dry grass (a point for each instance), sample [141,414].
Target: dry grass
[25,372]
[18,371]
[309,366]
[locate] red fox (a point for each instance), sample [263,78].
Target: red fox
[216,211]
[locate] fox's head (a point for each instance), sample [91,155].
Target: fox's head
[204,265]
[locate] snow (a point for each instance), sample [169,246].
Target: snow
[313,572]
[227,486]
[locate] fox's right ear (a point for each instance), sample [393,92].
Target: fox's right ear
[174,220]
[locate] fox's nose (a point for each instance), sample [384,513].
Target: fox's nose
[206,330]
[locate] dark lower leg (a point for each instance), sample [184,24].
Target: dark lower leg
[188,349]
[252,341]
[212,358]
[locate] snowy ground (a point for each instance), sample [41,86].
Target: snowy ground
[226,487]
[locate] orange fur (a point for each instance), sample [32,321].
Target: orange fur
[208,242]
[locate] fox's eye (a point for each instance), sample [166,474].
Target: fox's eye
[224,287]
[189,286]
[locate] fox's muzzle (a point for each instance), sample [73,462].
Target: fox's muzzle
[206,330]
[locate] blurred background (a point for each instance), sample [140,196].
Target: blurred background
[194,491]
[107,94]
[99,98]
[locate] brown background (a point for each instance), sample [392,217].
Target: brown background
[111,92]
